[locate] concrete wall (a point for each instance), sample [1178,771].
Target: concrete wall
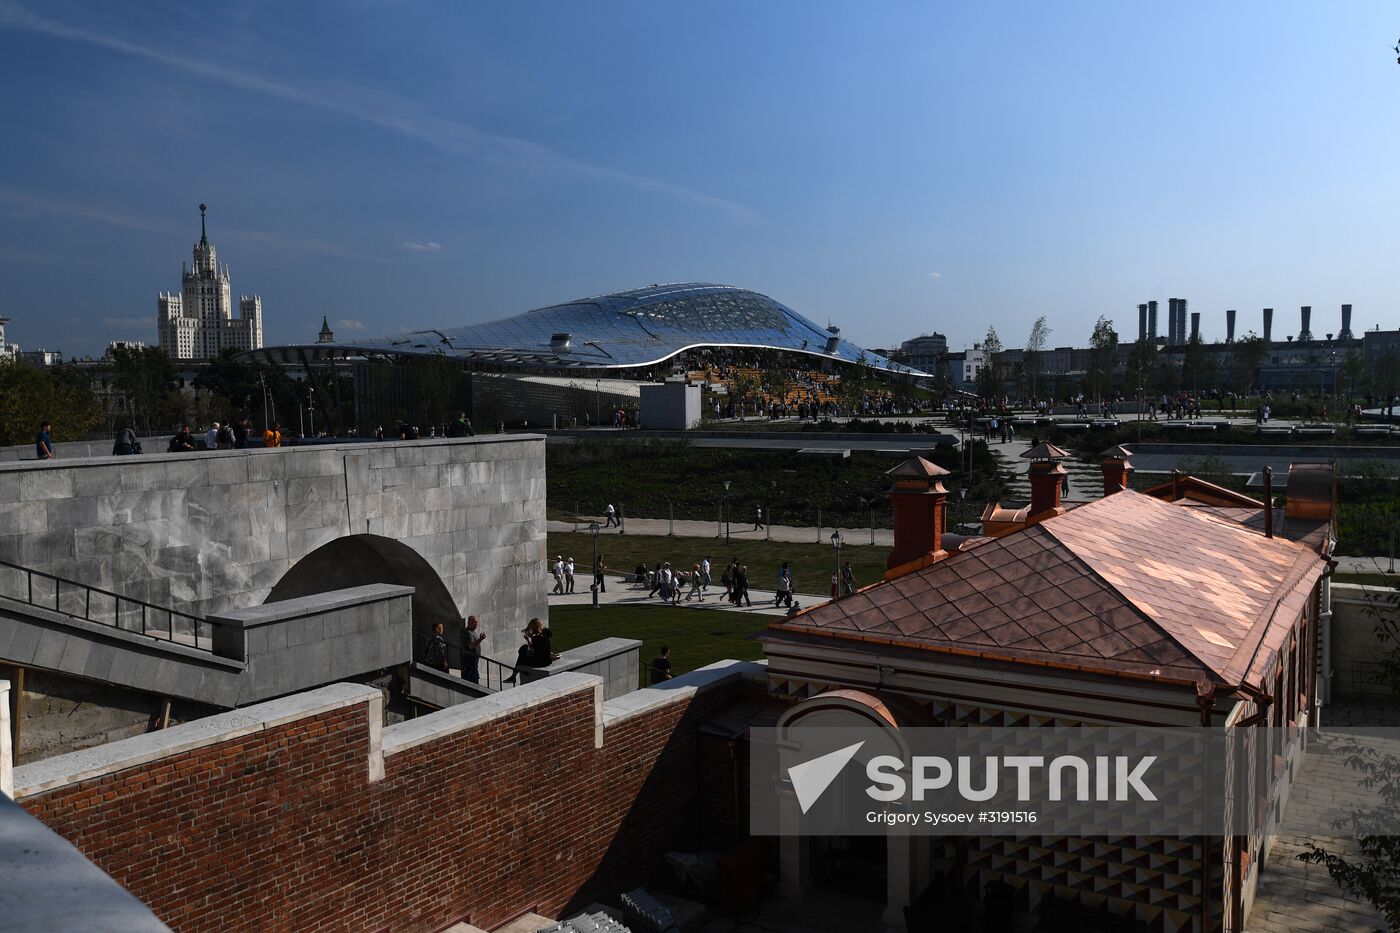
[313,640]
[543,797]
[209,532]
[1357,611]
[670,406]
[615,660]
[539,400]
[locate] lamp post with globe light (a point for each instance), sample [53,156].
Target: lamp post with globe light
[726,511]
[593,529]
[836,543]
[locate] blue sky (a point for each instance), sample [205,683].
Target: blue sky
[895,168]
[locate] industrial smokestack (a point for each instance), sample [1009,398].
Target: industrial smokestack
[1306,314]
[1230,326]
[1195,325]
[1152,321]
[1181,319]
[1142,322]
[1171,322]
[1345,333]
[1268,325]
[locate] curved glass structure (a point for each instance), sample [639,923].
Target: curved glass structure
[627,330]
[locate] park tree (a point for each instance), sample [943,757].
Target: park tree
[1140,374]
[1103,342]
[230,386]
[1197,365]
[1246,356]
[29,395]
[145,389]
[1035,346]
[1354,372]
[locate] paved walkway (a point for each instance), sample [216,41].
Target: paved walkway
[624,594]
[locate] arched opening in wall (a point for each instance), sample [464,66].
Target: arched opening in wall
[359,560]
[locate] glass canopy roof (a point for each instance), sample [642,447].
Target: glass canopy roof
[629,329]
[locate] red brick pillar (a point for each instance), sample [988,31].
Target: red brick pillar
[920,511]
[1046,479]
[1117,471]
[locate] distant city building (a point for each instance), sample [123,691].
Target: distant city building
[8,351]
[198,323]
[327,335]
[123,345]
[924,352]
[43,358]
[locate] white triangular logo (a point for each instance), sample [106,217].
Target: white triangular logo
[811,778]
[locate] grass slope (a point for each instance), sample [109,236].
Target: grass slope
[696,638]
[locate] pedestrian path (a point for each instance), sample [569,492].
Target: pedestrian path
[620,593]
[691,529]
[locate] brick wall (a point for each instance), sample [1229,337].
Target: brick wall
[282,829]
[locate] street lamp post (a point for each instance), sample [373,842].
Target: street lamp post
[593,529]
[726,511]
[311,408]
[836,543]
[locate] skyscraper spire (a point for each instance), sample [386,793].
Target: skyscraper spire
[203,237]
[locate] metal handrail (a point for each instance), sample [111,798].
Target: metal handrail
[493,675]
[200,630]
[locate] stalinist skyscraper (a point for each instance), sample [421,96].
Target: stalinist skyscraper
[198,323]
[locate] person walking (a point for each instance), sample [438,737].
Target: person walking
[599,580]
[611,515]
[656,579]
[569,575]
[758,519]
[696,581]
[848,580]
[728,580]
[211,437]
[783,595]
[741,588]
[663,582]
[43,446]
[705,576]
[557,570]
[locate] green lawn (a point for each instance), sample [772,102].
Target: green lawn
[1367,579]
[696,637]
[812,564]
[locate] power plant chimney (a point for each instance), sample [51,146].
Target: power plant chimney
[1268,326]
[1306,333]
[1345,332]
[1230,326]
[1181,319]
[1152,321]
[1195,324]
[1171,322]
[1142,322]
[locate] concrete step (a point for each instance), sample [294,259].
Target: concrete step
[529,923]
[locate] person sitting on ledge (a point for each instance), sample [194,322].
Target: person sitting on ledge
[535,652]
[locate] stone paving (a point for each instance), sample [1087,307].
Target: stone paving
[1295,895]
[620,593]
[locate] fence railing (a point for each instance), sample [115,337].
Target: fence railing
[91,604]
[491,674]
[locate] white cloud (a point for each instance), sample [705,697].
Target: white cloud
[427,246]
[935,275]
[130,322]
[385,110]
[346,323]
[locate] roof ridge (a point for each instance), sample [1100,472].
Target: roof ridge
[1296,571]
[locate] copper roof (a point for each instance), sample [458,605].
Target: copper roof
[917,468]
[1126,585]
[1199,490]
[1046,451]
[1116,453]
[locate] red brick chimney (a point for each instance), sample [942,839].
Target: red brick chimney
[920,512]
[1117,471]
[1047,477]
